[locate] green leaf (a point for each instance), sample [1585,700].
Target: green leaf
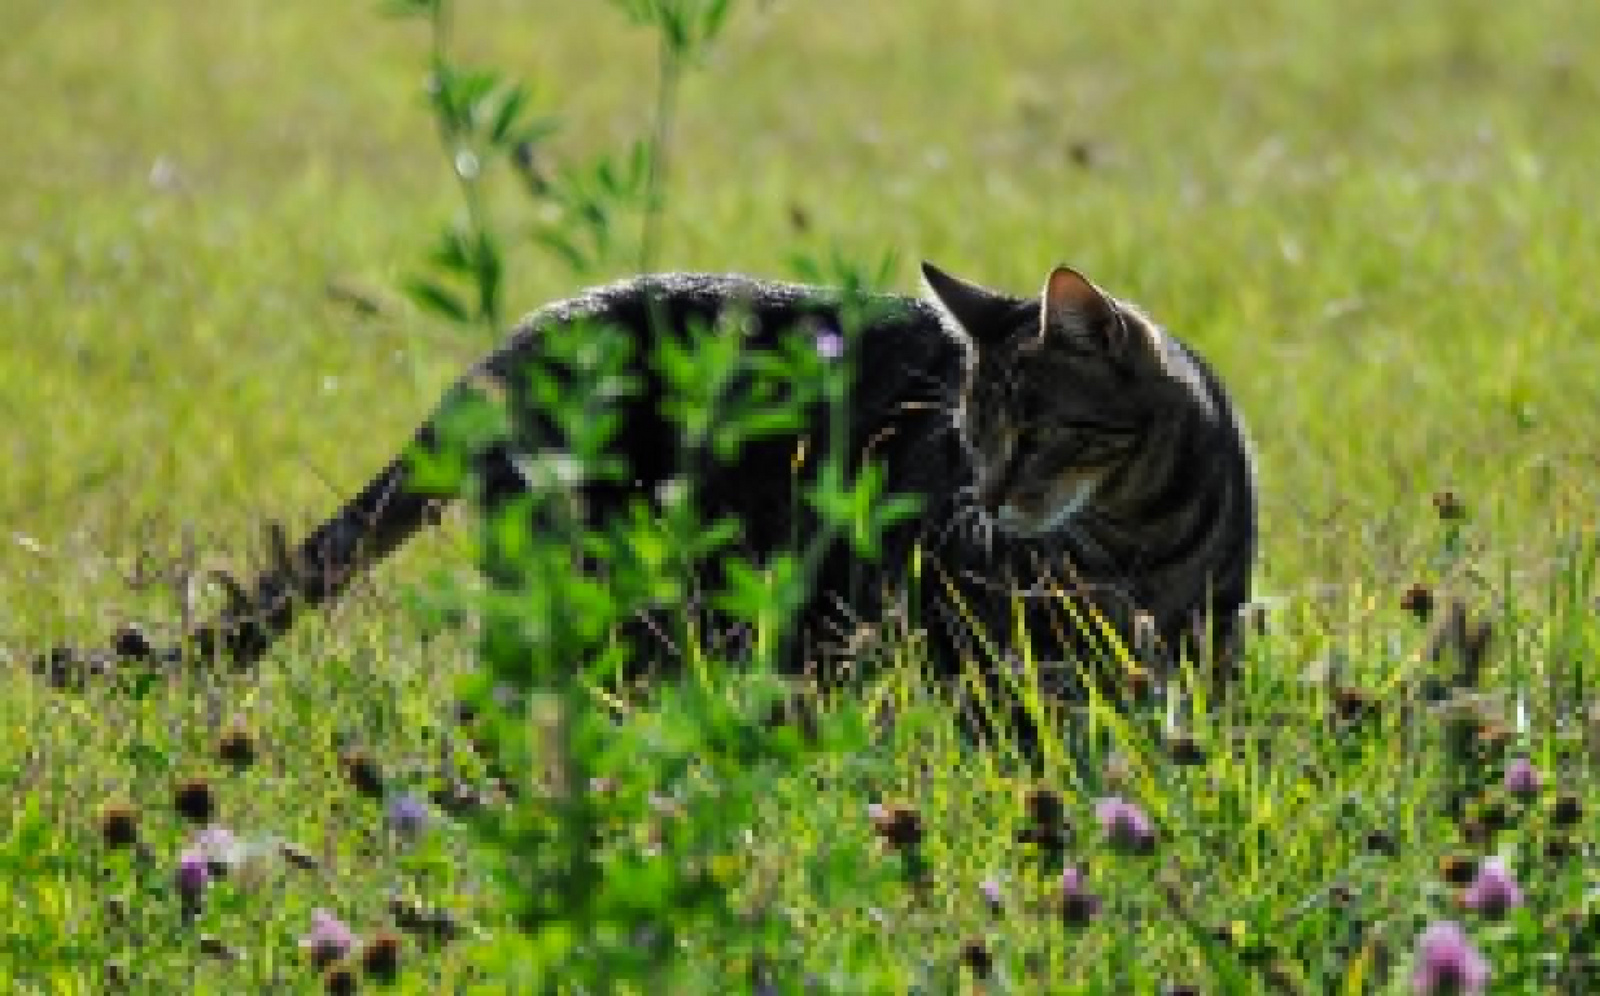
[536,131]
[606,176]
[452,252]
[409,8]
[674,26]
[637,11]
[713,19]
[509,108]
[471,93]
[640,155]
[432,297]
[557,242]
[487,269]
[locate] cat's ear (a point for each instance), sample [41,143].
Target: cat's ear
[1071,305]
[975,312]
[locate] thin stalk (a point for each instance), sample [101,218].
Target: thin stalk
[669,71]
[450,135]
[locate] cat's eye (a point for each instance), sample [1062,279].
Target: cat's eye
[1073,444]
[1052,437]
[1107,448]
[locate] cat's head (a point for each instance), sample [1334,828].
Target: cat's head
[1059,396]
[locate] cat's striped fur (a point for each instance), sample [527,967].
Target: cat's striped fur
[1061,444]
[1107,461]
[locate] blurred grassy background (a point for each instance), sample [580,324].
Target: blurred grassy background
[1379,220]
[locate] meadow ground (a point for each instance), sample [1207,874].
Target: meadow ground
[1378,220]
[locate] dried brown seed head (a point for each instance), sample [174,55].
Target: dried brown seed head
[1457,869]
[237,746]
[380,959]
[119,825]
[363,771]
[1567,810]
[1418,600]
[1449,506]
[1355,704]
[1045,806]
[1186,750]
[900,826]
[339,980]
[194,800]
[213,946]
[975,955]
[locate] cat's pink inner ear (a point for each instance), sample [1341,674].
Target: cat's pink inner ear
[1070,303]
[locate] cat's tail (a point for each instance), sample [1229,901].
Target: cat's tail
[362,533]
[365,530]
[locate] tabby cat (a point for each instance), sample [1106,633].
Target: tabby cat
[1067,452]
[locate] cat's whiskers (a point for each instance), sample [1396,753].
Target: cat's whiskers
[1087,523]
[969,519]
[1084,541]
[949,526]
[1066,511]
[1117,576]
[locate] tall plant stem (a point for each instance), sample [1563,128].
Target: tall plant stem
[669,70]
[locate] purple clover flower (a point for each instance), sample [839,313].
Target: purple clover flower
[1447,961]
[1494,890]
[830,344]
[1125,824]
[993,896]
[407,815]
[194,874]
[328,940]
[219,848]
[214,838]
[1078,904]
[1522,778]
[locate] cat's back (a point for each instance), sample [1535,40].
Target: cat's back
[684,292]
[1220,465]
[679,298]
[1231,439]
[902,352]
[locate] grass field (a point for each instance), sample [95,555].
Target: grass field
[1380,221]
